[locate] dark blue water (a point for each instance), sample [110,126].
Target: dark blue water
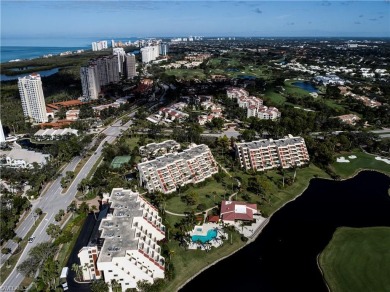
[43,73]
[305,86]
[17,52]
[283,257]
[247,77]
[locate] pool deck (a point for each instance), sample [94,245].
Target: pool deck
[216,242]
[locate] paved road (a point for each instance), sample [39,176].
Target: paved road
[53,200]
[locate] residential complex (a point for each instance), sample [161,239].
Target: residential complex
[98,73]
[164,48]
[52,134]
[90,82]
[267,154]
[22,158]
[33,100]
[253,105]
[156,149]
[100,45]
[130,66]
[349,119]
[167,173]
[126,247]
[150,53]
[121,55]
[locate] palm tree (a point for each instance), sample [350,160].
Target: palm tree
[116,287]
[78,270]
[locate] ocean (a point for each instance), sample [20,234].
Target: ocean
[28,48]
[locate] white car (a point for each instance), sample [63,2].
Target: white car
[31,239]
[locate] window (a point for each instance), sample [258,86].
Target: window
[90,256]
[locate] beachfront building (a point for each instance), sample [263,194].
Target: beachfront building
[130,66]
[100,45]
[169,172]
[22,158]
[33,100]
[267,154]
[52,134]
[232,211]
[129,234]
[158,149]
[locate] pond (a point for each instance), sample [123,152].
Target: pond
[284,256]
[43,73]
[305,86]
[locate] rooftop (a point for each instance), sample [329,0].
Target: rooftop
[266,143]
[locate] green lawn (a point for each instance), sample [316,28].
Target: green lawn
[275,97]
[277,195]
[363,161]
[213,189]
[188,263]
[187,73]
[358,259]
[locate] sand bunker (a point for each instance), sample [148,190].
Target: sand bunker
[342,159]
[352,157]
[383,159]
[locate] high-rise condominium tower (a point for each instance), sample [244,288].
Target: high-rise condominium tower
[130,66]
[90,81]
[33,101]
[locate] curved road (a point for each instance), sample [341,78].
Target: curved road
[53,200]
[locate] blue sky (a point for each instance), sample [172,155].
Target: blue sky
[46,19]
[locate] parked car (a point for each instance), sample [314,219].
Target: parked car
[31,239]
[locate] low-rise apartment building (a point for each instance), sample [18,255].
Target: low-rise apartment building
[156,149]
[52,134]
[253,105]
[22,158]
[130,234]
[167,173]
[267,154]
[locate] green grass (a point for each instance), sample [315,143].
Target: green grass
[363,161]
[186,73]
[7,267]
[277,196]
[188,263]
[357,259]
[275,97]
[176,205]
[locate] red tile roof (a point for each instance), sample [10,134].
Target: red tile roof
[234,210]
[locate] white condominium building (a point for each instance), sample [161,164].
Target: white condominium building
[253,105]
[2,136]
[236,92]
[166,173]
[267,154]
[121,55]
[150,53]
[130,250]
[100,45]
[33,101]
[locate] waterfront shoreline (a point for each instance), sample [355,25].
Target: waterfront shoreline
[258,231]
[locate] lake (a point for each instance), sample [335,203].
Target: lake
[305,86]
[283,257]
[43,73]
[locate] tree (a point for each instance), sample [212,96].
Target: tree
[5,250]
[116,287]
[38,211]
[18,239]
[99,286]
[78,270]
[53,230]
[86,111]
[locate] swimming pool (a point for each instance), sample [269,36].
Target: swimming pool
[211,234]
